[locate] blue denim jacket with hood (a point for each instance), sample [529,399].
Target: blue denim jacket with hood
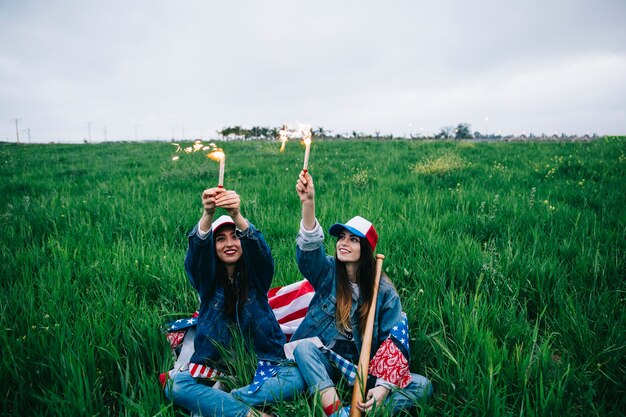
[320,270]
[255,320]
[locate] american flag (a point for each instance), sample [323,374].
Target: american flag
[289,303]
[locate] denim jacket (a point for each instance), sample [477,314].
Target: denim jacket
[255,320]
[320,270]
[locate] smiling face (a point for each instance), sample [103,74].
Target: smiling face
[348,247]
[227,246]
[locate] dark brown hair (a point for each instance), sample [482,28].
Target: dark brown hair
[235,293]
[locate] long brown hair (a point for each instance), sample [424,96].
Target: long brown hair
[366,269]
[235,293]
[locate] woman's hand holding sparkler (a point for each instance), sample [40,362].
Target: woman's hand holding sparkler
[304,187]
[208,203]
[230,201]
[208,200]
[306,192]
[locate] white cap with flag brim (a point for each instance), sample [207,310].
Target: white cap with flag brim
[357,226]
[221,221]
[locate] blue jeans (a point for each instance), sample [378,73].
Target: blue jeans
[202,399]
[320,373]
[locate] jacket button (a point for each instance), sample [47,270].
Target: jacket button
[325,305]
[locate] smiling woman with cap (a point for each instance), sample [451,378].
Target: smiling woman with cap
[329,339]
[231,266]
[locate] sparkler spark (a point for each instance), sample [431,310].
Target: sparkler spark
[196,147]
[301,131]
[282,136]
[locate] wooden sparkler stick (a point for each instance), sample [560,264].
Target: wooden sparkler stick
[360,382]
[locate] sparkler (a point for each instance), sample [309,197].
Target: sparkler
[302,131]
[218,155]
[306,138]
[283,136]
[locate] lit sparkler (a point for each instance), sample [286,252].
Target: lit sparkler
[306,138]
[302,131]
[218,155]
[283,136]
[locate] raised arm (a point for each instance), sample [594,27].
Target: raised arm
[306,192]
[230,201]
[310,254]
[209,197]
[200,260]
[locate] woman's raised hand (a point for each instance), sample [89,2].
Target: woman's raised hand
[304,187]
[230,201]
[306,192]
[208,200]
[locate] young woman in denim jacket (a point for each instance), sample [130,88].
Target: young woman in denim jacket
[231,266]
[337,314]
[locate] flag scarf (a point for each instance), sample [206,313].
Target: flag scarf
[264,371]
[390,361]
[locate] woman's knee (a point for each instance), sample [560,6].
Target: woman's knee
[424,385]
[305,351]
[177,386]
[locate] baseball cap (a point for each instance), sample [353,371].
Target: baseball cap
[221,221]
[357,226]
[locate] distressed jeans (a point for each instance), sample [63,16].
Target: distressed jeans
[203,400]
[320,373]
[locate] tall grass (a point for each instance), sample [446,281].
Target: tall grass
[509,258]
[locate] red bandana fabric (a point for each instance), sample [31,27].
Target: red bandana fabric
[390,364]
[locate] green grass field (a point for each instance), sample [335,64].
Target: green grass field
[509,258]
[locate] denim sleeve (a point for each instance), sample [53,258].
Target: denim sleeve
[258,257]
[390,310]
[200,262]
[311,255]
[309,240]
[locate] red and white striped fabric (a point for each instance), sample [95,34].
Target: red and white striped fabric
[290,304]
[200,371]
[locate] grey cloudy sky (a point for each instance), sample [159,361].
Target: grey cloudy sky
[161,69]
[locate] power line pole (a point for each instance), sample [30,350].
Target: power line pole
[17,129]
[28,132]
[89,131]
[105,134]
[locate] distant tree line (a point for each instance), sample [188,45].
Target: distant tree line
[460,131]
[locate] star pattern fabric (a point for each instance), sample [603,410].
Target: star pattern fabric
[264,371]
[400,332]
[180,324]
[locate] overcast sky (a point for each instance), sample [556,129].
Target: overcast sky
[163,69]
